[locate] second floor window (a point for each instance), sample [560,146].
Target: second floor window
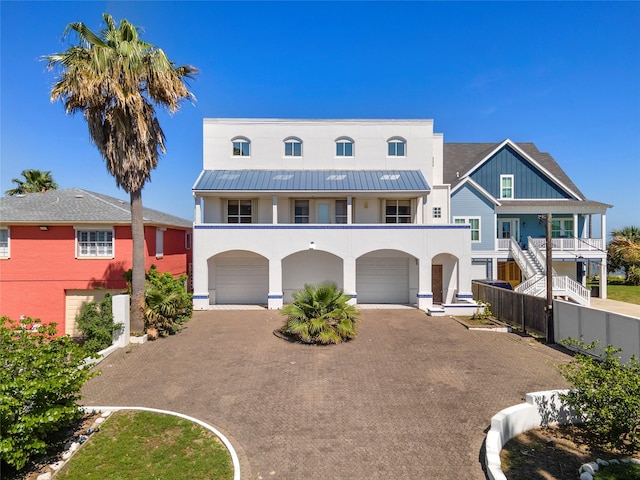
[562,227]
[301,211]
[475,226]
[341,211]
[241,148]
[397,211]
[292,148]
[239,211]
[4,242]
[95,243]
[396,147]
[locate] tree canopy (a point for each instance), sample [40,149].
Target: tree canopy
[624,253]
[34,181]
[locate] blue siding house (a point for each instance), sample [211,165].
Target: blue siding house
[504,192]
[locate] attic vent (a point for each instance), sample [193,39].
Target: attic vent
[389,177]
[283,177]
[79,196]
[229,176]
[336,177]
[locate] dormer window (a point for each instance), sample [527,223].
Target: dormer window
[506,187]
[293,147]
[344,147]
[241,147]
[397,147]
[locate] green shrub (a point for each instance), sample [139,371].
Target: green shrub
[633,275]
[40,381]
[606,394]
[96,324]
[320,314]
[168,304]
[484,313]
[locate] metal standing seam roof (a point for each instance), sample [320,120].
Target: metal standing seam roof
[75,205]
[312,180]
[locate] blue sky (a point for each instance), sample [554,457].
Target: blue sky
[563,75]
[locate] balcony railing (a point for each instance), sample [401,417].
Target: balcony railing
[571,244]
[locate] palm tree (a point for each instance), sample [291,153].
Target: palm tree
[320,314]
[115,79]
[624,253]
[34,181]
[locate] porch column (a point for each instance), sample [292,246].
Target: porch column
[197,211]
[419,211]
[603,260]
[275,297]
[425,292]
[349,277]
[349,210]
[575,232]
[274,209]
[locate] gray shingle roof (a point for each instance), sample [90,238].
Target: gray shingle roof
[459,158]
[75,205]
[311,180]
[577,206]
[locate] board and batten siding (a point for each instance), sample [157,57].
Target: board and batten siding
[467,202]
[528,181]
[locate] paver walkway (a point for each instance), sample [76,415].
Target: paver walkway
[409,398]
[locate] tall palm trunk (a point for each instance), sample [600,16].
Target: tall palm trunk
[138,273]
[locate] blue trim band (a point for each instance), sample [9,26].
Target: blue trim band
[274,297]
[425,295]
[307,226]
[353,295]
[200,297]
[464,295]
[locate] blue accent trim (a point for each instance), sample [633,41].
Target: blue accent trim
[274,297]
[464,295]
[353,295]
[200,297]
[425,295]
[307,226]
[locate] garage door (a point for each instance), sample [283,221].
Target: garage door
[74,301]
[383,280]
[242,281]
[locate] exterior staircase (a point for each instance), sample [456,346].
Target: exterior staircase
[532,263]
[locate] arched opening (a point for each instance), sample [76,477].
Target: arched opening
[387,276]
[309,267]
[238,277]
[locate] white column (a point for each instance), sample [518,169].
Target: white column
[349,277]
[603,260]
[419,211]
[425,292]
[274,209]
[349,211]
[575,230]
[197,211]
[275,299]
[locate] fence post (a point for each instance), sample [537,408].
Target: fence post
[120,309]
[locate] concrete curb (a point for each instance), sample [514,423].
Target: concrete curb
[234,456]
[540,409]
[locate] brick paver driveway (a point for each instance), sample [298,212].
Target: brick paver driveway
[409,398]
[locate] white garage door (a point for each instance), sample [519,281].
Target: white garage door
[383,280]
[242,281]
[74,301]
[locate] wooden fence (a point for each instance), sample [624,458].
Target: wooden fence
[521,311]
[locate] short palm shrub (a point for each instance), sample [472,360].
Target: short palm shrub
[606,394]
[320,314]
[167,303]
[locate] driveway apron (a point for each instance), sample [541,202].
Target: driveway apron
[410,398]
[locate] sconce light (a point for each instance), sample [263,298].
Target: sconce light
[312,245]
[43,227]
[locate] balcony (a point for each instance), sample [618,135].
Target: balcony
[561,244]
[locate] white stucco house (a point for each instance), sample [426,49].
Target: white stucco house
[362,203]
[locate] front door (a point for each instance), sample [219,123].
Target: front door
[436,283]
[509,227]
[323,211]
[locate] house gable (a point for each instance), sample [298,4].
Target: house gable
[468,201]
[528,181]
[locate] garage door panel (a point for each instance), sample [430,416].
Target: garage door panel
[383,280]
[242,281]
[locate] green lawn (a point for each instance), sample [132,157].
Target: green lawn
[144,445]
[624,293]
